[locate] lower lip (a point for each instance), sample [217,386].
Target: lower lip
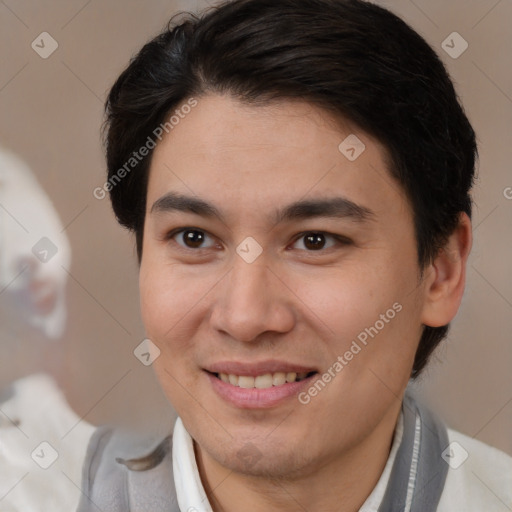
[257,398]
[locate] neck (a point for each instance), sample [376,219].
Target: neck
[341,484]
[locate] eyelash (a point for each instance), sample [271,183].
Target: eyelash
[341,240]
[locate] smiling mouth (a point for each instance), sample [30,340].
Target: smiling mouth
[265,381]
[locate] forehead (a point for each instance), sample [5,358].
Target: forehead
[242,157]
[220,124]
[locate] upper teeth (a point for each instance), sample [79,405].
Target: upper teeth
[262,381]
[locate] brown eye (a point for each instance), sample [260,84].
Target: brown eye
[193,238]
[316,241]
[189,238]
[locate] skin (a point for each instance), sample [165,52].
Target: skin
[295,302]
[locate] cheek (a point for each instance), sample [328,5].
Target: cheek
[347,299]
[161,299]
[167,310]
[173,300]
[371,305]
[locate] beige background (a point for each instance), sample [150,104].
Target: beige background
[51,112]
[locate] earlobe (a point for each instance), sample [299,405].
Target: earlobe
[446,276]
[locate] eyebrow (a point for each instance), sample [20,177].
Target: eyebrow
[335,207]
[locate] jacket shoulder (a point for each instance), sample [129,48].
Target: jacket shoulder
[123,472]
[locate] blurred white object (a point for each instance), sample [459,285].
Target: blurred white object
[42,448]
[42,440]
[33,249]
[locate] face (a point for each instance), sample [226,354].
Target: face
[279,280]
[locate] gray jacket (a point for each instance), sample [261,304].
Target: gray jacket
[114,480]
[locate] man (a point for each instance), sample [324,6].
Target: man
[297,176]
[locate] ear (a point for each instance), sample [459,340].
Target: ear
[446,276]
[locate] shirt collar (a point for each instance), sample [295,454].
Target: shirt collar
[192,496]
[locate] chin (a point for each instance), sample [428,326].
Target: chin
[265,461]
[266,454]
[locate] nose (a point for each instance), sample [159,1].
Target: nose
[252,300]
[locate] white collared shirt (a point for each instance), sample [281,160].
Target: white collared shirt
[480,483]
[190,491]
[43,444]
[480,479]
